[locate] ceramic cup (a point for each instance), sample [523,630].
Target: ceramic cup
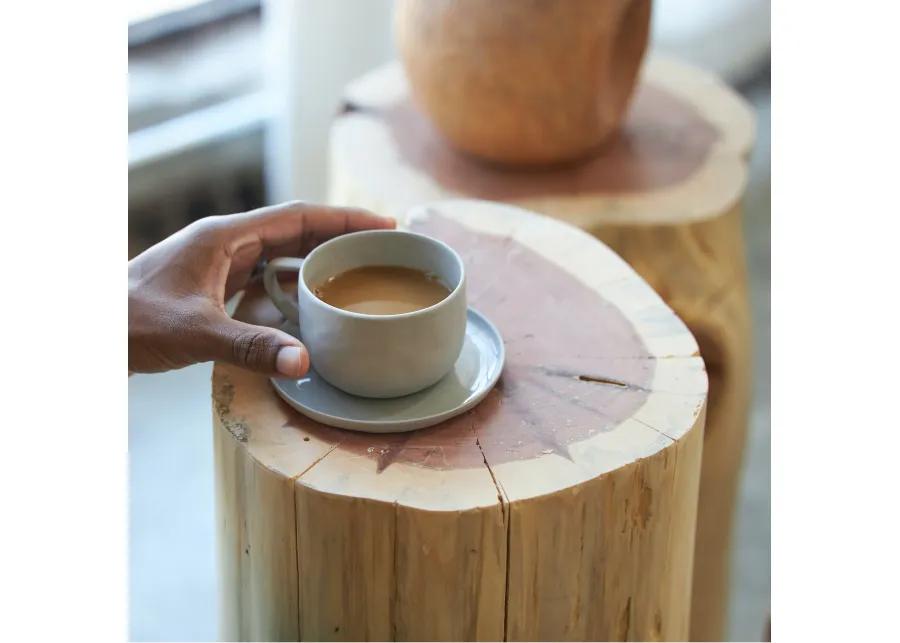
[376,355]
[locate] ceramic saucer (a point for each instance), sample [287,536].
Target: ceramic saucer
[473,376]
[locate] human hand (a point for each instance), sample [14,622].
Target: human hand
[178,288]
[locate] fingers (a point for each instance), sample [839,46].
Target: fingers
[258,348]
[291,227]
[334,221]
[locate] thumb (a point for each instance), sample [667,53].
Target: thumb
[258,348]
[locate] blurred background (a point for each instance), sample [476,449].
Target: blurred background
[229,104]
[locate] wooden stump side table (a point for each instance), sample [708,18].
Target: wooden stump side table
[563,507]
[665,194]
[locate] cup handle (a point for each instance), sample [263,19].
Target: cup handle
[270,280]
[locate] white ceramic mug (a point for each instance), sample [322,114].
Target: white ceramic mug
[376,355]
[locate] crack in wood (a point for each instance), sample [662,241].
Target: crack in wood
[491,473]
[593,379]
[602,380]
[297,560]
[505,511]
[653,428]
[624,622]
[506,600]
[315,462]
[395,598]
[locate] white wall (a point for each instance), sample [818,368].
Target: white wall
[728,37]
[313,48]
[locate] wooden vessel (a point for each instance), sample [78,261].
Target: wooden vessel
[523,83]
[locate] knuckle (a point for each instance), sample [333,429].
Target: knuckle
[253,349]
[211,229]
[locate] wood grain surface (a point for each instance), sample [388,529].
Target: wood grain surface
[665,194]
[562,507]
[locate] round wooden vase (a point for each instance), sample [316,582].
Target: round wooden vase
[523,83]
[665,193]
[562,507]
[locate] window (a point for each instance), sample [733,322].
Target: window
[150,20]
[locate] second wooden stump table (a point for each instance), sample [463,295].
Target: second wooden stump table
[562,507]
[664,193]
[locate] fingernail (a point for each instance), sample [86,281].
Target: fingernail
[289,361]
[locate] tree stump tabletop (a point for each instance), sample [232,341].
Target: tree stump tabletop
[561,507]
[665,194]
